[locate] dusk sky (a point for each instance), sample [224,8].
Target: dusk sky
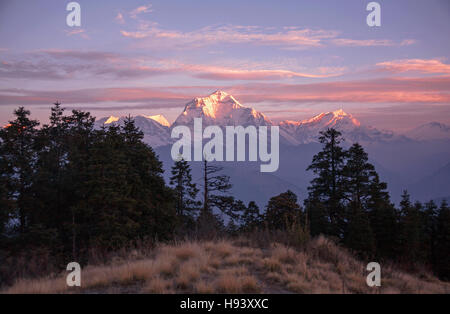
[287,59]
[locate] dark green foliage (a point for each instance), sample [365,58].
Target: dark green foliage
[251,217]
[215,189]
[185,191]
[327,187]
[318,217]
[429,232]
[410,230]
[359,236]
[73,188]
[282,211]
[383,220]
[442,265]
[18,160]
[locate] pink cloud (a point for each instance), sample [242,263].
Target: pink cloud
[224,73]
[433,90]
[77,32]
[140,10]
[430,66]
[234,34]
[290,38]
[385,90]
[371,42]
[119,18]
[64,64]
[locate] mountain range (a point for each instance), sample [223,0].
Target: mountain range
[405,161]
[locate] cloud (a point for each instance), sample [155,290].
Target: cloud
[383,90]
[58,64]
[69,64]
[429,66]
[232,34]
[226,73]
[77,32]
[119,18]
[154,97]
[289,38]
[432,90]
[371,42]
[139,10]
[80,54]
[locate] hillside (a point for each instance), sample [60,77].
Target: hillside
[235,267]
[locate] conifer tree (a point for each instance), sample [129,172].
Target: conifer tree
[6,201]
[251,217]
[410,230]
[215,188]
[442,265]
[17,142]
[283,211]
[49,190]
[429,226]
[359,236]
[357,185]
[185,191]
[327,188]
[383,220]
[358,175]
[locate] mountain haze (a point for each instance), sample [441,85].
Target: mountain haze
[405,161]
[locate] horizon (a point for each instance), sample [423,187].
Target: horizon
[290,62]
[156,116]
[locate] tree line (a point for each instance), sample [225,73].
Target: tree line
[69,187]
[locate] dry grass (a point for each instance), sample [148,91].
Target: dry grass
[235,267]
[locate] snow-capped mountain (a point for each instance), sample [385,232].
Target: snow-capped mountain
[307,131]
[155,128]
[430,131]
[399,160]
[221,109]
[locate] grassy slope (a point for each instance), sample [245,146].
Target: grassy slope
[235,267]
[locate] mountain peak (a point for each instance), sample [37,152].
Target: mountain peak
[220,108]
[111,119]
[430,131]
[219,94]
[160,119]
[340,113]
[338,118]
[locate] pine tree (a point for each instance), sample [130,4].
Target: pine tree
[318,218]
[185,191]
[52,150]
[80,141]
[358,185]
[383,220]
[429,226]
[251,217]
[17,142]
[215,188]
[327,187]
[442,265]
[283,211]
[359,236]
[410,230]
[358,175]
[6,200]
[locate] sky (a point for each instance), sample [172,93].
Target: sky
[289,59]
